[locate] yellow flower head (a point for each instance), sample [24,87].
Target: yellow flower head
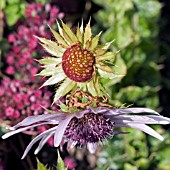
[78,61]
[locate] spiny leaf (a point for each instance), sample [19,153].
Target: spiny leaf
[107,75]
[103,48]
[94,42]
[50,71]
[50,61]
[91,88]
[69,33]
[79,35]
[104,67]
[54,79]
[58,37]
[64,88]
[106,56]
[87,34]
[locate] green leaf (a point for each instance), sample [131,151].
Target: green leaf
[2,4]
[63,107]
[13,1]
[12,19]
[60,163]
[40,166]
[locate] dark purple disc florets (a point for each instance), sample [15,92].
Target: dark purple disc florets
[91,128]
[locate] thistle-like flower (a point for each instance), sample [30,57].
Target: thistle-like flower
[89,126]
[79,61]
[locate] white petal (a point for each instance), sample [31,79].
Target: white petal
[61,129]
[36,139]
[92,147]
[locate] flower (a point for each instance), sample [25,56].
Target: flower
[89,126]
[79,61]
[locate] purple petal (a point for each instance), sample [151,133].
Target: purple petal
[61,129]
[49,131]
[98,110]
[143,128]
[34,119]
[23,129]
[150,119]
[71,144]
[43,142]
[92,147]
[81,114]
[135,110]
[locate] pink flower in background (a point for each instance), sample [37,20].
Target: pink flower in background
[69,163]
[9,111]
[11,38]
[24,46]
[17,97]
[10,70]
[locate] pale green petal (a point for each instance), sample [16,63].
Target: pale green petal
[107,75]
[64,88]
[106,56]
[87,34]
[54,79]
[69,32]
[91,88]
[58,37]
[50,61]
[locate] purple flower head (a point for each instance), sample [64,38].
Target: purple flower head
[89,126]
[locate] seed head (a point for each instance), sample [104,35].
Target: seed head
[77,63]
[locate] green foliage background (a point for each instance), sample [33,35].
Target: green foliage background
[134,26]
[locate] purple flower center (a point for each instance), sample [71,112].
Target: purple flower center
[91,128]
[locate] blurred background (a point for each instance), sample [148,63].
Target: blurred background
[141,30]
